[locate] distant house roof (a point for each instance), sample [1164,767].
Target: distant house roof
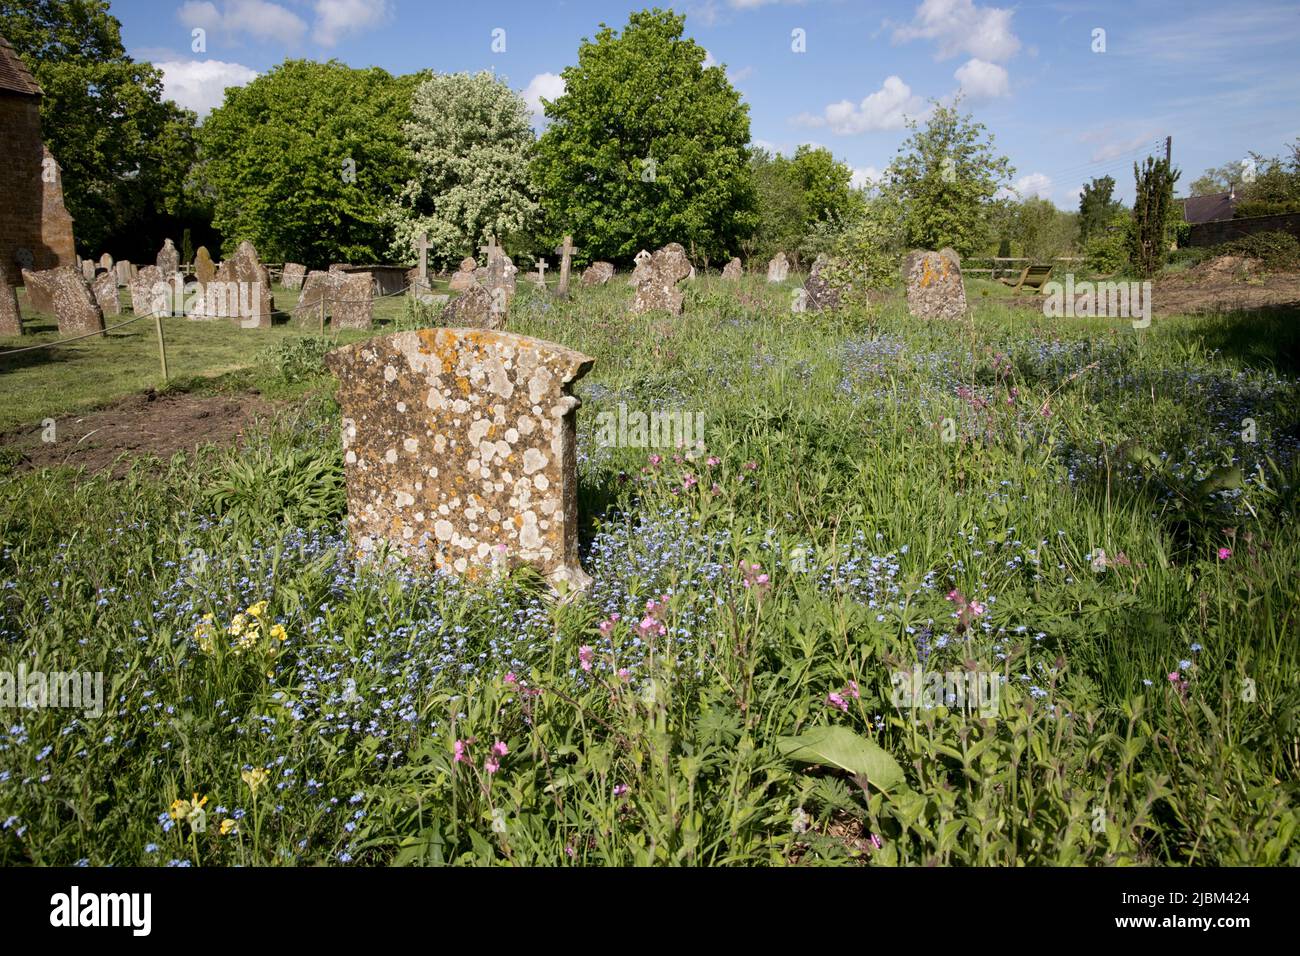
[1209,208]
[14,75]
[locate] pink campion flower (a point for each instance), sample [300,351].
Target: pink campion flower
[656,459]
[976,608]
[690,481]
[713,461]
[492,765]
[650,626]
[585,656]
[761,579]
[835,700]
[500,749]
[606,627]
[853,689]
[462,755]
[511,678]
[1174,677]
[956,597]
[1225,554]
[751,466]
[620,789]
[677,459]
[624,673]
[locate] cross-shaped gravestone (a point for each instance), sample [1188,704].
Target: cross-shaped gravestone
[566,252]
[421,250]
[491,250]
[540,278]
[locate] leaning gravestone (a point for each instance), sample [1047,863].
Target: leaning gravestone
[169,260]
[732,270]
[106,296]
[598,273]
[566,251]
[820,293]
[354,307]
[71,299]
[88,270]
[142,301]
[38,295]
[465,275]
[778,268]
[248,271]
[293,275]
[11,320]
[204,269]
[657,288]
[498,277]
[460,452]
[317,287]
[934,286]
[475,308]
[122,271]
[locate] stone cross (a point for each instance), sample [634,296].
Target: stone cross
[460,451]
[422,249]
[491,250]
[567,250]
[540,278]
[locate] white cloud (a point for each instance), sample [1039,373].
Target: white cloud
[958,26]
[200,85]
[982,80]
[887,108]
[708,59]
[739,75]
[549,85]
[336,19]
[864,176]
[258,19]
[1035,184]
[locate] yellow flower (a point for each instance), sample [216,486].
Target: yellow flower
[229,827]
[258,609]
[254,778]
[279,633]
[236,626]
[205,634]
[180,809]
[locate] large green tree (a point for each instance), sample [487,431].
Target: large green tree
[647,146]
[126,153]
[944,180]
[305,160]
[1097,207]
[471,141]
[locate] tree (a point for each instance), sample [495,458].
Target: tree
[304,161]
[126,153]
[647,146]
[1042,230]
[1096,207]
[782,207]
[1154,197]
[1273,186]
[1220,179]
[944,179]
[471,141]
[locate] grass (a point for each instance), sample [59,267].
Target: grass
[1098,538]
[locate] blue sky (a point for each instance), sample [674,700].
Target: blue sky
[1221,78]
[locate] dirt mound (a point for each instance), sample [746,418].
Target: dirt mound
[138,426]
[1223,268]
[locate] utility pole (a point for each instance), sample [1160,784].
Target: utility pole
[1169,148]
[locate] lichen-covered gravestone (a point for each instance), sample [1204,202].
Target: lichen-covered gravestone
[293,275]
[71,299]
[934,286]
[249,272]
[11,320]
[106,262]
[476,308]
[657,290]
[204,268]
[122,272]
[142,301]
[168,260]
[88,269]
[354,308]
[778,268]
[105,289]
[819,293]
[460,450]
[733,270]
[464,276]
[640,264]
[598,273]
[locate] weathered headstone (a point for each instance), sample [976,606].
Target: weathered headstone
[204,268]
[733,270]
[106,296]
[71,298]
[820,293]
[598,273]
[11,319]
[142,297]
[106,262]
[122,272]
[248,271]
[949,253]
[354,308]
[464,276]
[460,450]
[640,260]
[778,268]
[422,262]
[498,277]
[657,288]
[38,295]
[317,287]
[934,286]
[475,308]
[293,275]
[539,277]
[88,270]
[169,260]
[566,251]
[799,303]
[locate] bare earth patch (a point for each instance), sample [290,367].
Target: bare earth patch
[141,425]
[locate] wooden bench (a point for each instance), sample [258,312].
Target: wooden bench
[1032,278]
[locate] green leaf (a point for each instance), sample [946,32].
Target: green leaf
[841,747]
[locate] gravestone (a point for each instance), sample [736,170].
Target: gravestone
[460,452]
[598,273]
[106,262]
[247,270]
[169,260]
[464,276]
[11,319]
[122,272]
[142,302]
[819,292]
[293,275]
[88,270]
[539,277]
[949,253]
[657,290]
[733,270]
[566,251]
[353,307]
[934,286]
[38,295]
[317,287]
[204,268]
[778,268]
[475,308]
[640,260]
[71,299]
[106,296]
[421,281]
[799,304]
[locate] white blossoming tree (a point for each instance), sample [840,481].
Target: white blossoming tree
[471,140]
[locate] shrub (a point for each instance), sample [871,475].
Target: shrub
[1279,251]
